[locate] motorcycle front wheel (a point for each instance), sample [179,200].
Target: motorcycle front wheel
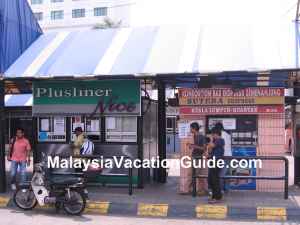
[24,198]
[75,203]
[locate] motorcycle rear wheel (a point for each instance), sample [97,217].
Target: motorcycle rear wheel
[76,204]
[24,198]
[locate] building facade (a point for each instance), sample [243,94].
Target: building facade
[72,14]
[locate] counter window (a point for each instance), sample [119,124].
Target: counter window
[121,129]
[90,126]
[243,129]
[52,129]
[171,124]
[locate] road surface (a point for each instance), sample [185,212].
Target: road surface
[16,217]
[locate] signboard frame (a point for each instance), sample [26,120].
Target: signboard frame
[228,96]
[89,98]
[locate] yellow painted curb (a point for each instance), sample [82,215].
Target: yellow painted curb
[46,206]
[3,201]
[156,210]
[211,211]
[97,207]
[271,213]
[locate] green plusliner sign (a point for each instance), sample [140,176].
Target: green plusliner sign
[86,97]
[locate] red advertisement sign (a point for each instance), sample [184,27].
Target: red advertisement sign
[229,92]
[228,96]
[228,110]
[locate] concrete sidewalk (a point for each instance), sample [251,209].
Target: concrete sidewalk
[163,200]
[168,193]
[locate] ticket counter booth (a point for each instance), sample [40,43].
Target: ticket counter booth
[254,117]
[243,130]
[172,140]
[112,113]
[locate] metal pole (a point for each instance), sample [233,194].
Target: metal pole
[286,179]
[174,134]
[36,155]
[194,180]
[2,141]
[161,117]
[140,150]
[130,181]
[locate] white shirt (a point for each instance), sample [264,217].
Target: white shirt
[227,147]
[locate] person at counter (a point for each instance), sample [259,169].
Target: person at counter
[227,152]
[215,149]
[79,140]
[198,148]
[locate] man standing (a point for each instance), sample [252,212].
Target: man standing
[216,150]
[198,149]
[79,140]
[19,155]
[227,152]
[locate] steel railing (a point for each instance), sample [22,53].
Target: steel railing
[285,177]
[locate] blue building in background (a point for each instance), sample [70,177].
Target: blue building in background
[18,30]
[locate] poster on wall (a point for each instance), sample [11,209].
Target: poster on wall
[243,184]
[51,129]
[45,126]
[228,123]
[111,123]
[95,125]
[59,125]
[183,130]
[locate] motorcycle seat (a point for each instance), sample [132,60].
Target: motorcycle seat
[24,184]
[64,180]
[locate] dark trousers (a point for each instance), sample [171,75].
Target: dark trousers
[214,183]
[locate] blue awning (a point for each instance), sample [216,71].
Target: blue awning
[161,50]
[18,30]
[18,100]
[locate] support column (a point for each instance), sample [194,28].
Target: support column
[140,150]
[36,154]
[161,117]
[2,141]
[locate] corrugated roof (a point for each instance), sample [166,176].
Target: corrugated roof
[163,50]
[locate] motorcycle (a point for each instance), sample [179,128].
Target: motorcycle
[64,191]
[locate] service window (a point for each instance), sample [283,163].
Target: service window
[90,126]
[121,129]
[52,129]
[171,124]
[243,129]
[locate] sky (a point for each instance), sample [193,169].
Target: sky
[165,12]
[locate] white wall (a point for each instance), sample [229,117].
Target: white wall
[117,10]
